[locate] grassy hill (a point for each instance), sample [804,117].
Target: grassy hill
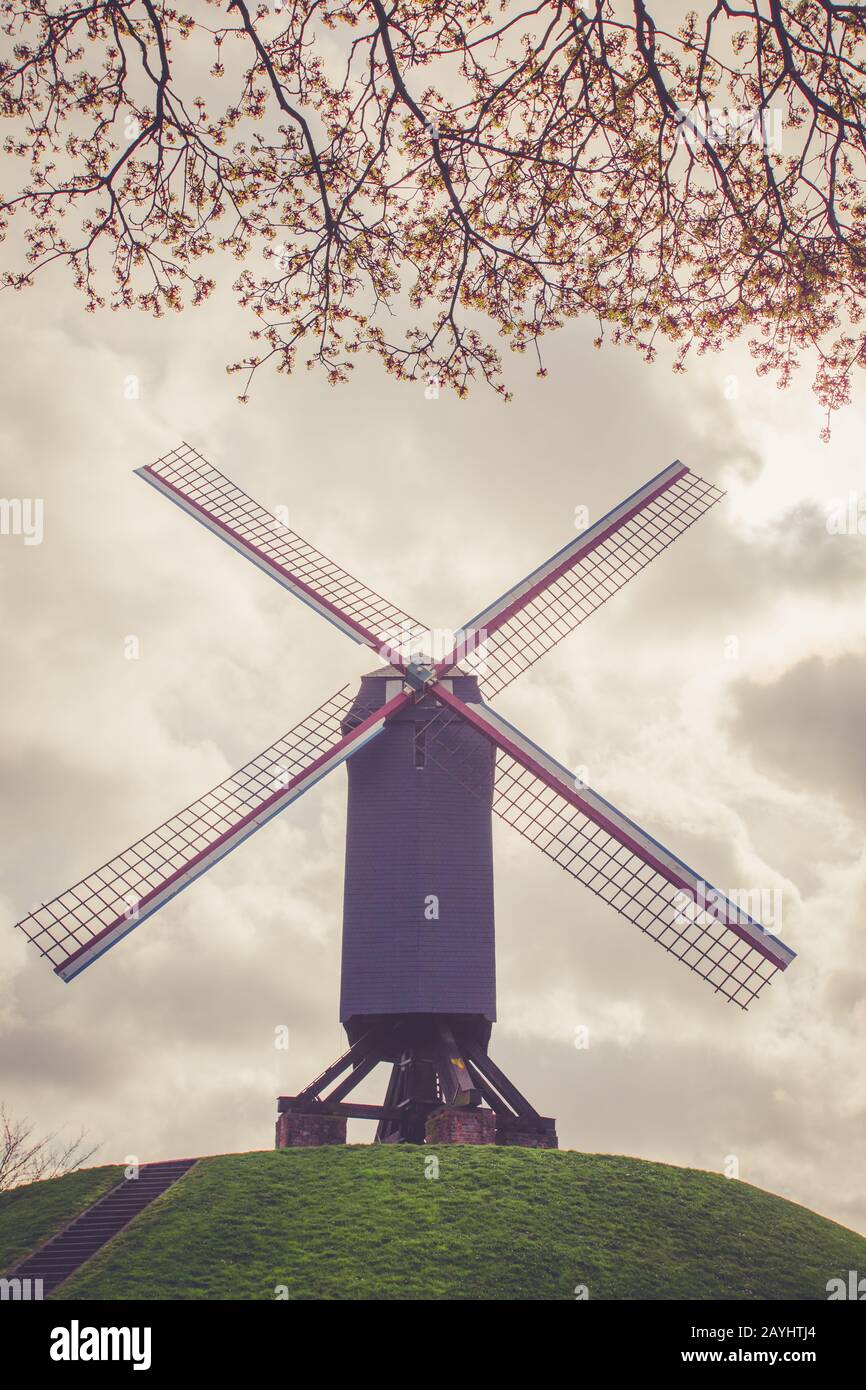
[366,1223]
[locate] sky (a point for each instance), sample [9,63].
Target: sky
[718,700]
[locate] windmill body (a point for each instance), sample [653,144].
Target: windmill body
[429,762]
[418,918]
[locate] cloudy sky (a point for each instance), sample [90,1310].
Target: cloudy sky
[718,700]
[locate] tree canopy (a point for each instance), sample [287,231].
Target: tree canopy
[432,181]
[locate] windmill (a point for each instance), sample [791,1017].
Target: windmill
[429,761]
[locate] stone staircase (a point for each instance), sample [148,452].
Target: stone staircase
[72,1247]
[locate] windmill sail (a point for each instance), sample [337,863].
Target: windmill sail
[80,925]
[534,615]
[615,858]
[219,504]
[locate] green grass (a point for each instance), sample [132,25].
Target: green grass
[31,1215]
[365,1223]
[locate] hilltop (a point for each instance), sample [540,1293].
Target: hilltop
[366,1222]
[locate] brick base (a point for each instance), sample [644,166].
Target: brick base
[461,1124]
[297,1131]
[526,1139]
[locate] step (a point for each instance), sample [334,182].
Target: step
[93,1228]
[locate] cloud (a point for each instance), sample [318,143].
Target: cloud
[806,728]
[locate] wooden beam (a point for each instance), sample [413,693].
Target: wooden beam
[499,1107]
[454,1072]
[385,1128]
[489,1069]
[354,1078]
[353,1110]
[348,1059]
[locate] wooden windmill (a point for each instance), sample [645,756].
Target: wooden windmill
[429,762]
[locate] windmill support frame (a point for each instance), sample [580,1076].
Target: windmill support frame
[436,1065]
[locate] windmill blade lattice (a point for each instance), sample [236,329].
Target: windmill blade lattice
[611,855]
[531,618]
[78,926]
[211,498]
